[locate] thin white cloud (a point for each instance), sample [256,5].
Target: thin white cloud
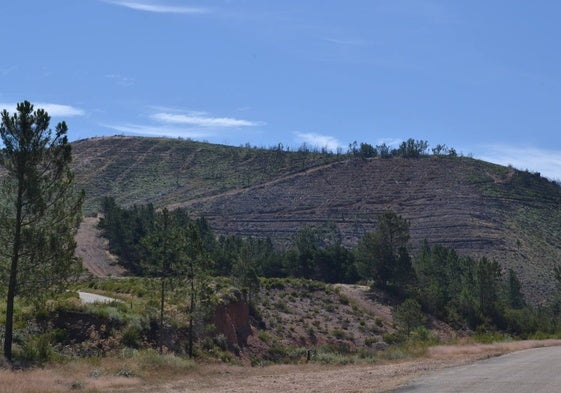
[8,70]
[120,79]
[546,162]
[170,122]
[160,8]
[346,41]
[158,130]
[318,140]
[54,110]
[392,142]
[200,119]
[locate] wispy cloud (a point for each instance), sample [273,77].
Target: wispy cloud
[54,110]
[201,119]
[120,79]
[7,70]
[547,162]
[159,8]
[318,140]
[157,130]
[346,41]
[392,142]
[169,122]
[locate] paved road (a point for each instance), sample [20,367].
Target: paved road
[533,370]
[86,297]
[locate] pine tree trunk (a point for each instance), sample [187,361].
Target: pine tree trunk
[162,303]
[12,285]
[191,316]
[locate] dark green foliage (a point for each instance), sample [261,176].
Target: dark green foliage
[367,150]
[443,151]
[459,290]
[319,255]
[245,274]
[463,291]
[409,316]
[382,255]
[488,275]
[412,148]
[557,275]
[515,296]
[125,228]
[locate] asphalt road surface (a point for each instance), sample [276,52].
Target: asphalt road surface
[533,370]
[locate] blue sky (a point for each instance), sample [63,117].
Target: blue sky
[483,77]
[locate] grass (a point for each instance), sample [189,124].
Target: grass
[97,374]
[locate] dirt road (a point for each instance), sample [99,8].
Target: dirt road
[533,370]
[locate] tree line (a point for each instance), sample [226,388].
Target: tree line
[468,293]
[410,148]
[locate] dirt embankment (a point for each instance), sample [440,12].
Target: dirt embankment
[94,250]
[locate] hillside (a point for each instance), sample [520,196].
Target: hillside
[165,171]
[478,208]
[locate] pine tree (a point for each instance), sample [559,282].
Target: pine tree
[382,255]
[39,209]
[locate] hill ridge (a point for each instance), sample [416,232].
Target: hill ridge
[475,207]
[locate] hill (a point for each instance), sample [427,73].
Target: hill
[477,208]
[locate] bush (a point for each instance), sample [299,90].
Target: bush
[132,338]
[37,349]
[338,334]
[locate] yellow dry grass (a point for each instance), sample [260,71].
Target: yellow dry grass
[166,375]
[55,380]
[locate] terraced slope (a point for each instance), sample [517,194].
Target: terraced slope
[480,209]
[164,171]
[477,208]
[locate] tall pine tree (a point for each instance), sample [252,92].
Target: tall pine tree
[39,209]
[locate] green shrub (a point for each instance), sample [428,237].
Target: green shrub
[37,349]
[132,338]
[152,360]
[393,338]
[338,334]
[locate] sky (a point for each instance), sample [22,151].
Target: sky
[482,76]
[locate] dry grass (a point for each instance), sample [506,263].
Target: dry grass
[96,374]
[169,375]
[55,380]
[486,350]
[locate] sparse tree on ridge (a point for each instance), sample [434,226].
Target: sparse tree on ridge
[39,209]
